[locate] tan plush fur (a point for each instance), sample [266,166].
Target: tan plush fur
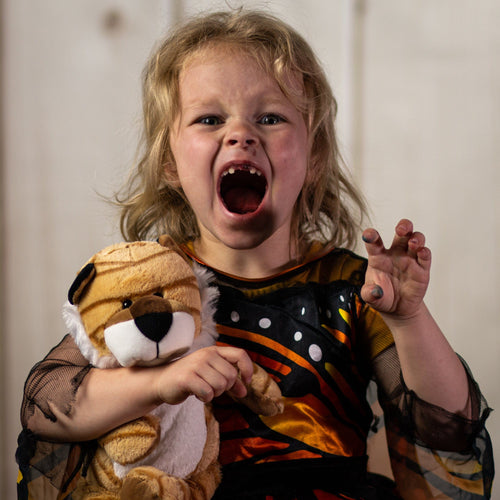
[142,303]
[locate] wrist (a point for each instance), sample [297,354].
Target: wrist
[405,321]
[165,384]
[142,384]
[153,387]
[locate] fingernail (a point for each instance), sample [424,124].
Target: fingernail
[367,239]
[377,292]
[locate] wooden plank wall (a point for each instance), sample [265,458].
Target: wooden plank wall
[418,87]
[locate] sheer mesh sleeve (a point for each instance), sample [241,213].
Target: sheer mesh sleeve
[433,453]
[428,424]
[50,471]
[52,383]
[46,469]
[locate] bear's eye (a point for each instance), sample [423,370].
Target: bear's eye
[158,294]
[126,303]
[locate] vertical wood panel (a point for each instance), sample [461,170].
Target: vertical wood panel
[71,99]
[431,130]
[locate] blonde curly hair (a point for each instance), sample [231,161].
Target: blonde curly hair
[329,208]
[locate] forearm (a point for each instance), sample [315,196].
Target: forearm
[429,365]
[105,399]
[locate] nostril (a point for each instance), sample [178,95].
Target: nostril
[243,143]
[154,326]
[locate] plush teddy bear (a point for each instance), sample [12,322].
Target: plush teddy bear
[143,304]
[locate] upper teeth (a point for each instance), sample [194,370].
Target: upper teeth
[251,170]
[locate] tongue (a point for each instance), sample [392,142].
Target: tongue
[242,200]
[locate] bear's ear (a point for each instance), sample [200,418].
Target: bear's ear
[167,241]
[85,276]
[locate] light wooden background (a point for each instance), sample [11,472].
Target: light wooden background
[418,84]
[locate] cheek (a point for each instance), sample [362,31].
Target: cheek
[296,178]
[171,174]
[183,160]
[195,153]
[293,153]
[295,170]
[295,144]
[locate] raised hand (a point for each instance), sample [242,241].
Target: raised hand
[397,277]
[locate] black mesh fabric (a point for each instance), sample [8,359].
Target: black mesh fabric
[53,382]
[428,425]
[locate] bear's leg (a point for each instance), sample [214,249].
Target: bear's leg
[202,484]
[85,491]
[149,483]
[101,482]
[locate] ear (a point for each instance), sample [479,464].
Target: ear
[85,276]
[165,240]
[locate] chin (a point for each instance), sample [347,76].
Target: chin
[245,237]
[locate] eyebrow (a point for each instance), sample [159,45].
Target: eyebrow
[267,100]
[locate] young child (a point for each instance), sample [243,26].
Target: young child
[240,165]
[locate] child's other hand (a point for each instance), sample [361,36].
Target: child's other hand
[397,277]
[205,373]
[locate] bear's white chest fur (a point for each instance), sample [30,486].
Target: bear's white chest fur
[183,438]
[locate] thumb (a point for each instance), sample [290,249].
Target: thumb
[372,294]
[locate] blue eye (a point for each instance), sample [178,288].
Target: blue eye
[270,119]
[210,120]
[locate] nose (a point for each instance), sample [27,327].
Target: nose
[154,326]
[242,135]
[152,316]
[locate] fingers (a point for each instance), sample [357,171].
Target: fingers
[406,241]
[206,374]
[240,359]
[412,242]
[372,292]
[424,258]
[373,242]
[219,368]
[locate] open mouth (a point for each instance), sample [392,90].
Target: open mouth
[242,189]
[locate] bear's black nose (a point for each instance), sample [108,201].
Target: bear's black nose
[154,325]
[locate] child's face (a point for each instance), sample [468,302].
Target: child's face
[240,147]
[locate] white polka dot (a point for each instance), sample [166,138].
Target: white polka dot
[235,317]
[265,323]
[342,299]
[298,336]
[328,313]
[315,352]
[303,311]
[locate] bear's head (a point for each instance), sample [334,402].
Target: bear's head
[140,303]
